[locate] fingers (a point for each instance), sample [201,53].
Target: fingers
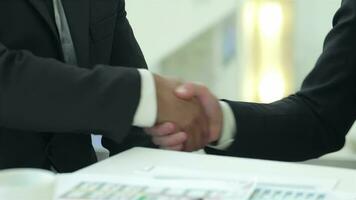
[203,135]
[194,112]
[186,91]
[174,148]
[162,129]
[209,102]
[212,109]
[198,133]
[191,142]
[166,137]
[172,140]
[189,90]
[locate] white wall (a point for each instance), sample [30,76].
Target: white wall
[313,20]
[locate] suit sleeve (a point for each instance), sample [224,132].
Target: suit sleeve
[45,95]
[315,120]
[127,52]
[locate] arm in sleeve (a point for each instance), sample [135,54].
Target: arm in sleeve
[315,120]
[45,95]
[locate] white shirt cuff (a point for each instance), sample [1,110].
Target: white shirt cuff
[227,136]
[146,113]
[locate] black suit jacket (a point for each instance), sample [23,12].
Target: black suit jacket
[315,120]
[48,108]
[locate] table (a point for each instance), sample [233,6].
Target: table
[137,158]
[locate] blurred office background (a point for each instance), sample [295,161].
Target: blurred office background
[250,50]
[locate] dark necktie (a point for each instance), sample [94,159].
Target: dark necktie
[64,33]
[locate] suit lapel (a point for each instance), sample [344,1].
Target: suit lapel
[78,14]
[41,7]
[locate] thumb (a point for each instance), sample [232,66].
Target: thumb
[186,91]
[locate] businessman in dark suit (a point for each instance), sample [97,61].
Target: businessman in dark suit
[60,82]
[306,125]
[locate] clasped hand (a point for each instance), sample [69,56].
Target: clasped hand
[189,116]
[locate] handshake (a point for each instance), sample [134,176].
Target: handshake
[189,116]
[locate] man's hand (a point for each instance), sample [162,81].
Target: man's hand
[166,133]
[187,115]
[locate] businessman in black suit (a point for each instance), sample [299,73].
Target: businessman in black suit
[59,82]
[306,125]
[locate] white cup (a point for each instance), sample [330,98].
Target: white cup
[26,184]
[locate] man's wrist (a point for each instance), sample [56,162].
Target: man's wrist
[167,102]
[228,132]
[146,112]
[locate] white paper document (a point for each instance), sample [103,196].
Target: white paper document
[89,187]
[170,173]
[267,187]
[287,192]
[341,196]
[159,183]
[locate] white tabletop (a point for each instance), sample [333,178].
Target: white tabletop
[137,158]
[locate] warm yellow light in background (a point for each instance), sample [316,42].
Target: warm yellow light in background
[266,33]
[271,86]
[249,18]
[270,19]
